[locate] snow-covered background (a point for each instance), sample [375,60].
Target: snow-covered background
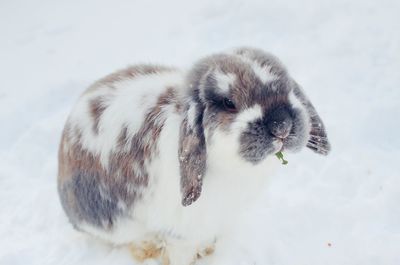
[341,209]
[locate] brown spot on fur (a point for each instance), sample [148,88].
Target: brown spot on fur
[123,137]
[97,107]
[62,164]
[146,250]
[130,72]
[169,97]
[207,251]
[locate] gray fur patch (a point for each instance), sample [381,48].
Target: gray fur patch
[192,158]
[318,139]
[93,205]
[97,106]
[90,193]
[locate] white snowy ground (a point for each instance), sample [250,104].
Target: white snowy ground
[341,209]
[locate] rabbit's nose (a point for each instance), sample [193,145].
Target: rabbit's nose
[280,129]
[280,123]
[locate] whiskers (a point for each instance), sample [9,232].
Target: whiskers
[319,144]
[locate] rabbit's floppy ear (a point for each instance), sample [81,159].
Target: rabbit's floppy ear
[318,139]
[192,153]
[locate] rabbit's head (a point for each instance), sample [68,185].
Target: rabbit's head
[244,101]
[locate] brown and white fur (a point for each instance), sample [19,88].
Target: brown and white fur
[153,155]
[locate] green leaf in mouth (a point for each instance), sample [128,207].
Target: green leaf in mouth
[279,155]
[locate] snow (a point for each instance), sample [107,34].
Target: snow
[341,209]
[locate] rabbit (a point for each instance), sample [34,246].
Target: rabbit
[163,160]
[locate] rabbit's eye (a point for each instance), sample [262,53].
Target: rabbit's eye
[229,105]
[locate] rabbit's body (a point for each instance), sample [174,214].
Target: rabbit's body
[133,153]
[138,203]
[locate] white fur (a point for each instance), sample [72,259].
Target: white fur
[295,101]
[224,81]
[262,72]
[191,114]
[250,114]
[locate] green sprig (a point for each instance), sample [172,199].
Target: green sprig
[279,155]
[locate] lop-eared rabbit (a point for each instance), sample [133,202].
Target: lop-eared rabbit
[163,160]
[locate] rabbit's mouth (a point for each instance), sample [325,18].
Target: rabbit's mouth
[279,143]
[257,149]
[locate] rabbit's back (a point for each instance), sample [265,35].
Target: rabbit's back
[109,139]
